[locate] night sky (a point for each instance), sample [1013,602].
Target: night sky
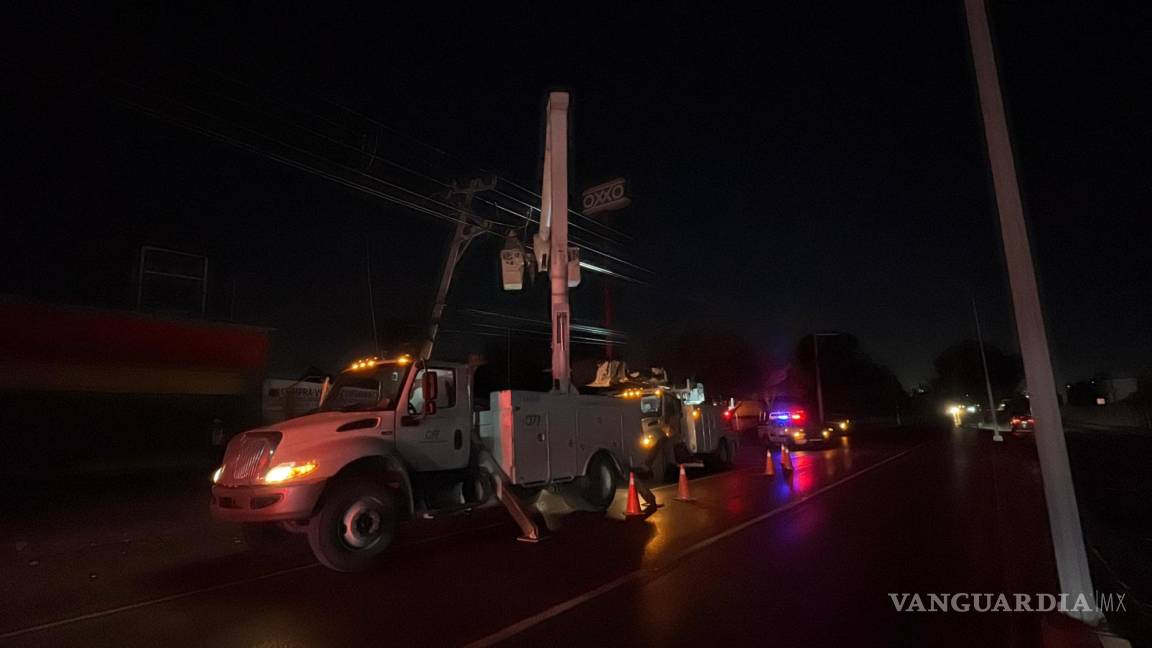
[793,167]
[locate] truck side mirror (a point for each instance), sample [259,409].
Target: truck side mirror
[431,386]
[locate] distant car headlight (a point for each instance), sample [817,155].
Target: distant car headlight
[844,425]
[285,471]
[827,433]
[216,475]
[797,435]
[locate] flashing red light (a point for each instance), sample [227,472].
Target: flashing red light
[727,414]
[799,415]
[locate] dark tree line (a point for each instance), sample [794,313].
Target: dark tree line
[960,373]
[853,383]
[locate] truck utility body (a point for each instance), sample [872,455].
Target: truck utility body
[540,438]
[396,438]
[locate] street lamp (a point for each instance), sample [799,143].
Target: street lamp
[816,361]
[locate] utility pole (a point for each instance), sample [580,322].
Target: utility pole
[819,385]
[1059,493]
[987,377]
[467,228]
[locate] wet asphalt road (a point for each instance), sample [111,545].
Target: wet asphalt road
[802,560]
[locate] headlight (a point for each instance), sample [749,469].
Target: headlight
[285,471]
[797,435]
[648,441]
[843,425]
[827,433]
[216,475]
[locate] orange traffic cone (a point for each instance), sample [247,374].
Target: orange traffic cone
[682,494]
[785,459]
[769,465]
[633,498]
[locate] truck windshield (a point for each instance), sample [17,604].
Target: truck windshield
[367,389]
[650,405]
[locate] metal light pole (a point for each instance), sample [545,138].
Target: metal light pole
[1059,494]
[987,377]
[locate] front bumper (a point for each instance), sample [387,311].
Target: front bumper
[809,442]
[265,503]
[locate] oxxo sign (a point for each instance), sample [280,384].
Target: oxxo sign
[605,197]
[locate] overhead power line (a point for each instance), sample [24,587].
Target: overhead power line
[312,168]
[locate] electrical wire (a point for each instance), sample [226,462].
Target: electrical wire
[583,245]
[413,139]
[424,176]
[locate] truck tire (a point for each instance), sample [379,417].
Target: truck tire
[661,468]
[724,454]
[356,523]
[596,489]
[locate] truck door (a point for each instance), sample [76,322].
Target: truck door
[439,440]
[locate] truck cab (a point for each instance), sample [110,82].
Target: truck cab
[381,426]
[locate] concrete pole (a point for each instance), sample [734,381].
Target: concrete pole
[1059,494]
[462,236]
[556,190]
[987,377]
[819,386]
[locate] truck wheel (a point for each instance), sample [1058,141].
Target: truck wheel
[659,469]
[355,525]
[724,454]
[596,489]
[263,536]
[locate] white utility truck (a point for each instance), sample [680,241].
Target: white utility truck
[396,439]
[680,427]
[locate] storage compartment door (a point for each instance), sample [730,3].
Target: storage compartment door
[527,432]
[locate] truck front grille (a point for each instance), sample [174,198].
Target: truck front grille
[248,456]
